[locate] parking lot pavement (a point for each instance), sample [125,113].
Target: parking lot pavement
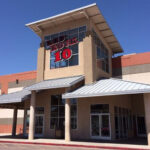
[6,146]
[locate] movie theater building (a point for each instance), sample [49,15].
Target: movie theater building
[75,96]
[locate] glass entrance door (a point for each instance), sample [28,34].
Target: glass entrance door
[100,126]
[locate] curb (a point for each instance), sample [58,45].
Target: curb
[74,145]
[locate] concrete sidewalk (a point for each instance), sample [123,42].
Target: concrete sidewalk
[54,142]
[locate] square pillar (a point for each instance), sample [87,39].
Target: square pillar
[32,116]
[67,120]
[14,122]
[89,59]
[24,121]
[147,115]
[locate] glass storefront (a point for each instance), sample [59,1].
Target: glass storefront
[123,122]
[100,121]
[57,118]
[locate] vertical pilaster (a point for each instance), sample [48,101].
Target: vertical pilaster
[14,122]
[32,116]
[67,120]
[24,121]
[40,64]
[89,59]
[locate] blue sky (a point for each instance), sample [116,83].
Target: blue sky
[128,19]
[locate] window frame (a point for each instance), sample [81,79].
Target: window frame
[103,51]
[58,117]
[76,54]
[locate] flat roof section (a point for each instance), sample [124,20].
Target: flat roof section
[91,12]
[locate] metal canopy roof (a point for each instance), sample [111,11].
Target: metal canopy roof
[55,83]
[89,12]
[108,87]
[15,97]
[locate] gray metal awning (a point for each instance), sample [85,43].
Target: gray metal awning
[15,97]
[55,83]
[24,94]
[108,87]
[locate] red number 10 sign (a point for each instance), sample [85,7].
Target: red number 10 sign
[62,53]
[65,54]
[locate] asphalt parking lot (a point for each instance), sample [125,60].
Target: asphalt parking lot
[6,146]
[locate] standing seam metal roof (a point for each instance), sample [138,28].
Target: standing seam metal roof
[15,97]
[55,83]
[108,87]
[22,95]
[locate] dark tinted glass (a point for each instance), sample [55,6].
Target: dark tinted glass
[73,60]
[100,108]
[39,110]
[54,111]
[54,123]
[54,100]
[73,123]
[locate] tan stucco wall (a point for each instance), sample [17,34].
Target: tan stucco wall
[138,77]
[40,64]
[8,113]
[87,55]
[89,59]
[11,90]
[138,104]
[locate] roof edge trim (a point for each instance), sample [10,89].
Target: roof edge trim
[61,14]
[65,96]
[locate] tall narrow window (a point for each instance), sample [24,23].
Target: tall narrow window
[102,54]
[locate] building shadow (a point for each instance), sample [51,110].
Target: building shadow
[117,67]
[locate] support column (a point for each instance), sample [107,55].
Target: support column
[40,64]
[89,59]
[32,116]
[14,122]
[67,120]
[24,121]
[147,115]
